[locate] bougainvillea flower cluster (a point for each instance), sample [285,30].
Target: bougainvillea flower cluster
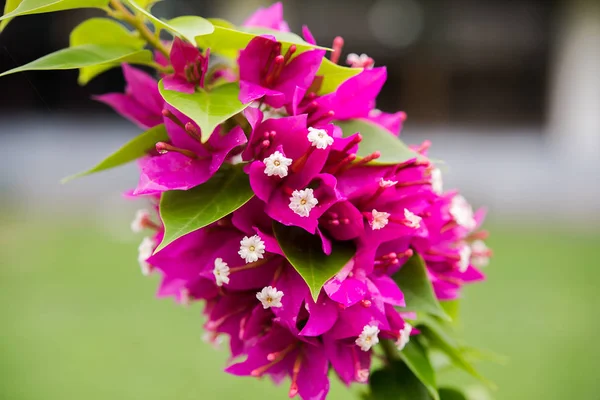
[299,261]
[305,173]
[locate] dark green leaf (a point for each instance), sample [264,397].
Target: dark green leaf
[227,41]
[451,394]
[85,56]
[416,359]
[17,8]
[207,109]
[304,251]
[440,338]
[333,75]
[186,211]
[397,382]
[102,31]
[418,293]
[187,26]
[134,149]
[376,138]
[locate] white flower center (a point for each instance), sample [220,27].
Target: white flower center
[404,337]
[221,272]
[251,248]
[437,184]
[277,164]
[480,254]
[412,220]
[270,297]
[465,258]
[462,212]
[140,221]
[303,201]
[362,61]
[145,250]
[319,138]
[368,337]
[386,184]
[379,220]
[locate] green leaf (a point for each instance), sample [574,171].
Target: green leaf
[416,359]
[9,7]
[438,337]
[376,138]
[207,109]
[304,251]
[16,8]
[132,150]
[186,211]
[451,308]
[333,75]
[418,292]
[187,26]
[85,56]
[227,41]
[451,394]
[102,31]
[397,382]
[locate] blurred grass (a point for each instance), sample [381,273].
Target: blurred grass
[79,322]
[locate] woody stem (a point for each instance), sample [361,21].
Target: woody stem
[122,13]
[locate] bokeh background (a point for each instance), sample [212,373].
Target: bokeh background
[509,94]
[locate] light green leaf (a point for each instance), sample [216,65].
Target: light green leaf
[15,8]
[106,32]
[304,251]
[376,138]
[147,3]
[333,75]
[418,292]
[9,7]
[85,56]
[416,359]
[187,26]
[451,308]
[438,337]
[132,150]
[207,109]
[186,211]
[227,41]
[451,394]
[397,382]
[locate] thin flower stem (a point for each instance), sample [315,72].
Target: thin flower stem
[122,13]
[389,350]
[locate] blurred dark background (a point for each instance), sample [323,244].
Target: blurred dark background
[507,91]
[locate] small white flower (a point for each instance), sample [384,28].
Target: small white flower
[319,138]
[303,201]
[412,220]
[277,164]
[237,159]
[387,183]
[221,272]
[145,250]
[139,222]
[251,248]
[462,212]
[270,297]
[465,258]
[362,375]
[437,184]
[404,337]
[356,61]
[213,338]
[380,219]
[480,253]
[368,337]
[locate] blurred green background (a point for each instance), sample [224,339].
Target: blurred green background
[80,322]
